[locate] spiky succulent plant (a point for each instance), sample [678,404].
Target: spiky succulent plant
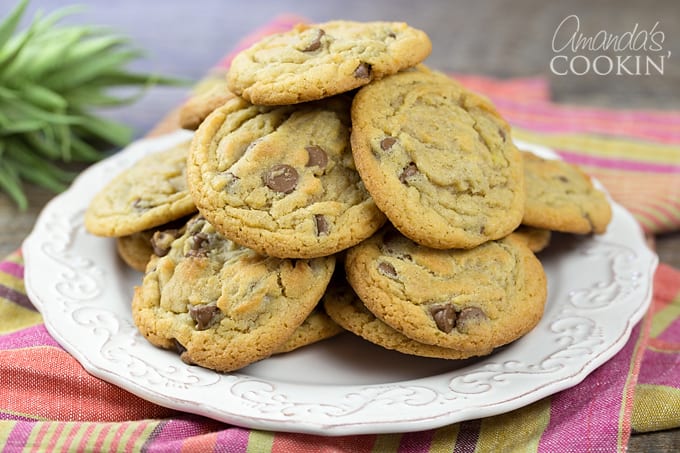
[53,80]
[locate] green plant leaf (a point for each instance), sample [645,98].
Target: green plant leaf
[85,96]
[41,176]
[11,184]
[65,78]
[43,97]
[24,154]
[52,78]
[22,107]
[94,46]
[10,23]
[103,129]
[51,55]
[42,142]
[83,151]
[20,127]
[13,48]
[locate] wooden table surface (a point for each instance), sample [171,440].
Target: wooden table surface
[500,38]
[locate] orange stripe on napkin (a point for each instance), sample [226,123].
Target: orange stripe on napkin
[204,442]
[35,372]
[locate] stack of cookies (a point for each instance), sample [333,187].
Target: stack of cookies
[336,183]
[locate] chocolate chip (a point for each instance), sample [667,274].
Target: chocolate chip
[281,178]
[409,170]
[179,347]
[387,270]
[502,133]
[204,315]
[322,225]
[471,314]
[182,351]
[563,178]
[162,240]
[317,156]
[387,143]
[363,71]
[468,316]
[199,240]
[196,224]
[444,317]
[316,43]
[199,245]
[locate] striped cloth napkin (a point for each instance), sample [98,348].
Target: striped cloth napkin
[49,402]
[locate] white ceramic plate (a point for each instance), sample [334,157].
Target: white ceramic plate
[599,288]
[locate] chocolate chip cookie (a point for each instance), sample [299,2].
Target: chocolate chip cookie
[312,62]
[437,159]
[223,306]
[205,99]
[136,249]
[281,180]
[467,300]
[537,239]
[150,193]
[318,326]
[346,309]
[561,197]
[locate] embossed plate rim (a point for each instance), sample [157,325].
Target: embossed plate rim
[65,278]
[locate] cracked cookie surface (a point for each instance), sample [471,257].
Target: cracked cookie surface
[153,191]
[468,300]
[223,306]
[312,62]
[437,159]
[282,180]
[561,197]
